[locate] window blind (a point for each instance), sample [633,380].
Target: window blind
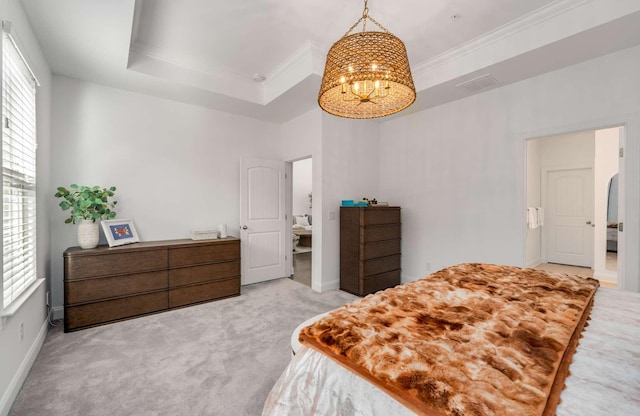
[18,172]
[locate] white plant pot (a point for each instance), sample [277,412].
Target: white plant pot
[88,234]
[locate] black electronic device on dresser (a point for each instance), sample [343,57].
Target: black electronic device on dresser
[370,249]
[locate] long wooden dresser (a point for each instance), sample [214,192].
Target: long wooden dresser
[370,248]
[104,285]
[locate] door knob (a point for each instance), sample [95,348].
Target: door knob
[244,227]
[588,222]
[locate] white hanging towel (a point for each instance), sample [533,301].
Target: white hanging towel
[540,216]
[532,218]
[535,217]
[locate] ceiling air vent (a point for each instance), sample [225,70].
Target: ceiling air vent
[479,83]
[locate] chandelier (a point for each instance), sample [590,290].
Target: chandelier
[367,74]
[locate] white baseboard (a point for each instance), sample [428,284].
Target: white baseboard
[19,377]
[57,313]
[608,275]
[408,278]
[326,286]
[533,263]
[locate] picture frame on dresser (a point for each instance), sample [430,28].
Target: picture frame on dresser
[120,232]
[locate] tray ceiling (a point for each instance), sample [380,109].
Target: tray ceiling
[206,52]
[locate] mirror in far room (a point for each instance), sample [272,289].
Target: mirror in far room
[612,223]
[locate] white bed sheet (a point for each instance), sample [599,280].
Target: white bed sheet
[604,376]
[302,227]
[313,384]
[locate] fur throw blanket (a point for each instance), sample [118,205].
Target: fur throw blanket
[471,339]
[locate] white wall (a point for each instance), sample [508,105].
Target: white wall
[302,186]
[350,163]
[175,166]
[575,149]
[455,173]
[17,355]
[458,169]
[301,138]
[606,165]
[345,166]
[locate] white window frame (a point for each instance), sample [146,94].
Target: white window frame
[18,128]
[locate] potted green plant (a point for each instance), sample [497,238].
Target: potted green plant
[88,204]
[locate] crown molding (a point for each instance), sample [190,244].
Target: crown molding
[556,21]
[140,50]
[307,60]
[219,80]
[514,27]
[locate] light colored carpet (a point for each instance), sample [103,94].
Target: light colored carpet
[219,358]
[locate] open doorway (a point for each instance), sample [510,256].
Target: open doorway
[611,262]
[569,200]
[302,221]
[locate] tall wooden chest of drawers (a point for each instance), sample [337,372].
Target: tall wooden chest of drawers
[369,249]
[104,285]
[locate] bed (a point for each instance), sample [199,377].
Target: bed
[603,377]
[301,230]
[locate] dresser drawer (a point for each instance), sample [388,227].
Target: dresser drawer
[113,263]
[381,264]
[370,247]
[187,256]
[188,295]
[204,273]
[85,290]
[80,316]
[380,232]
[380,281]
[108,284]
[373,216]
[380,249]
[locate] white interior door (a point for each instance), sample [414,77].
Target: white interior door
[569,217]
[262,219]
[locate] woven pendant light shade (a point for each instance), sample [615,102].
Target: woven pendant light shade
[354,64]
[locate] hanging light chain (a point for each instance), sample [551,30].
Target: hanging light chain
[365,14]
[384,29]
[353,27]
[363,19]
